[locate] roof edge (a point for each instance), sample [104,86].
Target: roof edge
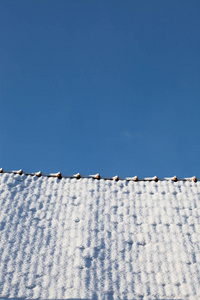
[98,177]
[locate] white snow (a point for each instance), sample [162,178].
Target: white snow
[98,239]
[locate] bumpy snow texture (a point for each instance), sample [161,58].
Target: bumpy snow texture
[98,239]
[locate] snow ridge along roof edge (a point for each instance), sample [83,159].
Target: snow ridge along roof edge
[98,177]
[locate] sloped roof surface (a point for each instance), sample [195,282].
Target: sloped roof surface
[98,239]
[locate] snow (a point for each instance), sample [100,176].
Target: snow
[98,239]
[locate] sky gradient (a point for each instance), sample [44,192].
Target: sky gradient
[100,86]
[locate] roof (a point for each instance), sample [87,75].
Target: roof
[98,239]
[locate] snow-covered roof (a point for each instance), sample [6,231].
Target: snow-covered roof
[98,239]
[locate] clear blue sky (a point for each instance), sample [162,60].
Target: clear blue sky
[100,86]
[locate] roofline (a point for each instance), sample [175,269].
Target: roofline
[98,177]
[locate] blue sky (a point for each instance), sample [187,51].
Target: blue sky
[100,86]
